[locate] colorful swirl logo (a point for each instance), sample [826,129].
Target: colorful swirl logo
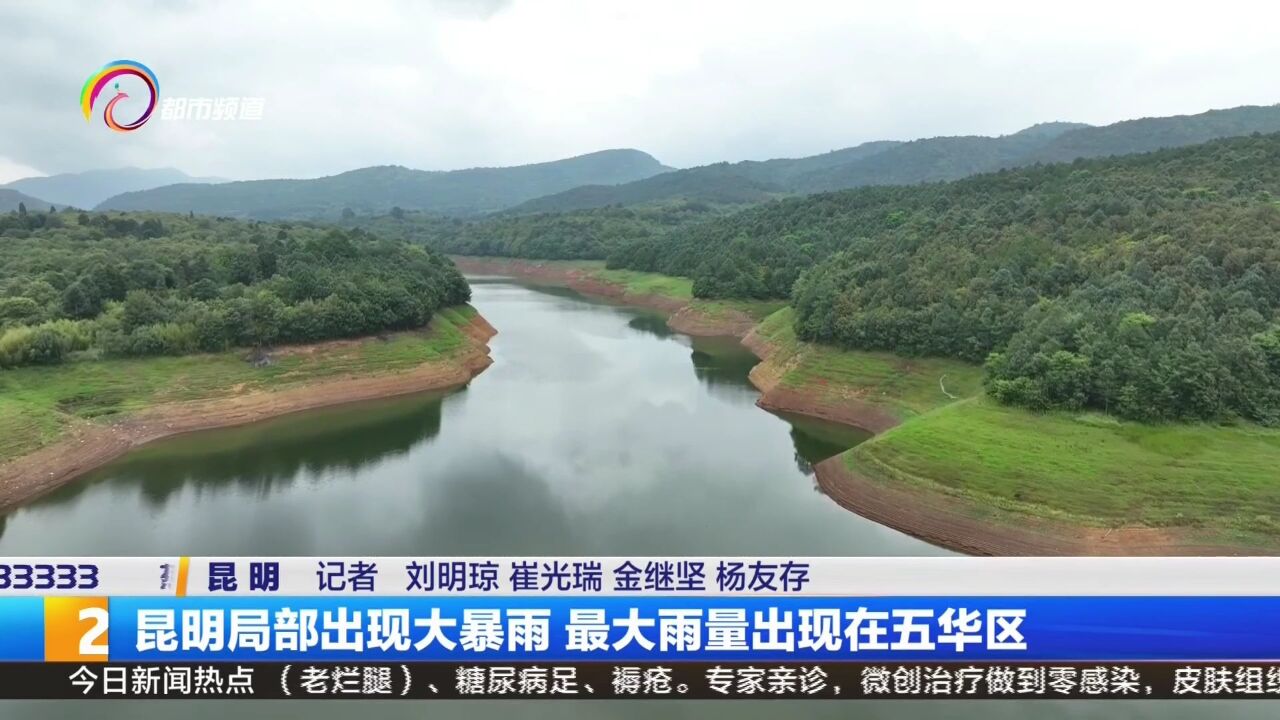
[111,71]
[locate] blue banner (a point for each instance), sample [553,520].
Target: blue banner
[717,629]
[22,622]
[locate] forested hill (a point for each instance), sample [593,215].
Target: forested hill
[379,189]
[721,184]
[954,158]
[11,200]
[926,160]
[741,183]
[1148,134]
[150,284]
[1145,285]
[934,159]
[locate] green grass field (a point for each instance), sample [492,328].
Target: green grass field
[1087,468]
[643,283]
[37,402]
[907,386]
[757,310]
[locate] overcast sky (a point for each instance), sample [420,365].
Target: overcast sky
[454,83]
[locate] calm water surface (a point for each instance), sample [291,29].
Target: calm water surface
[597,431]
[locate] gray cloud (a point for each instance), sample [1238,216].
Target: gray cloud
[453,83]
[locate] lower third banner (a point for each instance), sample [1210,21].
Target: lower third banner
[569,681]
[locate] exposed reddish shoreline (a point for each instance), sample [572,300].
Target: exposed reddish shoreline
[89,445]
[846,409]
[933,516]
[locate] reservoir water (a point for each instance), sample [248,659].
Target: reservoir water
[597,431]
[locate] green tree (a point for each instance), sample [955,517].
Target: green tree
[81,299]
[18,311]
[47,347]
[266,312]
[141,308]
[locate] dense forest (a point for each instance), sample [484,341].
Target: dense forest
[580,235]
[1147,286]
[147,284]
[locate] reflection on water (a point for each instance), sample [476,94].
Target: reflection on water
[596,432]
[722,364]
[270,455]
[651,323]
[817,440]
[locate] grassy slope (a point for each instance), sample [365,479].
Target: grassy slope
[757,310]
[1087,468]
[642,283]
[37,402]
[906,386]
[672,287]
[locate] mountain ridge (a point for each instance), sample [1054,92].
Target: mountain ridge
[932,159]
[628,177]
[379,189]
[86,189]
[9,200]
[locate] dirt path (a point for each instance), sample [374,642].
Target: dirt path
[88,445]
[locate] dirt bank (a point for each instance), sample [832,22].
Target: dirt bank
[966,526]
[835,403]
[88,445]
[694,320]
[683,316]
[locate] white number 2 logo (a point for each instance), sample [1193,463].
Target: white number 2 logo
[89,644]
